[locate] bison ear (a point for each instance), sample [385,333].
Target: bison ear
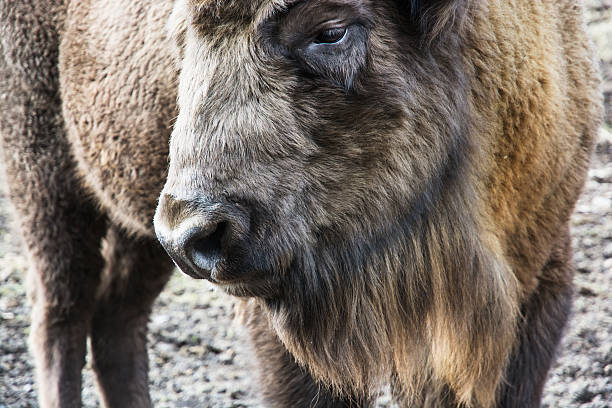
[434,18]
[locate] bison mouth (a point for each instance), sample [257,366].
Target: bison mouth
[234,272]
[262,288]
[242,246]
[241,270]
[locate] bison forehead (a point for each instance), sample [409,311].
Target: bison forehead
[231,14]
[227,16]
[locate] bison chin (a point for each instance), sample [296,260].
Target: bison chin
[424,303]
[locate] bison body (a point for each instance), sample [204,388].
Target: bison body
[387,186]
[88,98]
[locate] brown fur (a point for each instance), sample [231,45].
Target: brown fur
[403,201]
[400,214]
[87,104]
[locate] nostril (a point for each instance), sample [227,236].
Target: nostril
[207,248]
[203,237]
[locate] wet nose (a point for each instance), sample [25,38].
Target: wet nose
[201,235]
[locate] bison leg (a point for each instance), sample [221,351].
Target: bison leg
[136,272]
[544,317]
[63,243]
[62,229]
[62,233]
[284,383]
[65,266]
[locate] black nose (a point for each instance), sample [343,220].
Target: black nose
[201,237]
[205,245]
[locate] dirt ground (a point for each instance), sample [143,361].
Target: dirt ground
[200,358]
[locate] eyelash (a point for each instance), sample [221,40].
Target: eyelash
[331,36]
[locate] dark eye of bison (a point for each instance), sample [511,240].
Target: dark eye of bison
[328,46]
[331,36]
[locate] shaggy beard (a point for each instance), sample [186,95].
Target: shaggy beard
[424,304]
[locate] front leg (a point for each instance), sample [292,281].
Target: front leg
[135,273]
[61,226]
[544,317]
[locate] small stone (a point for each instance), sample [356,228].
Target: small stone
[601,204]
[237,394]
[197,350]
[601,175]
[589,242]
[213,349]
[584,291]
[583,396]
[571,370]
[227,357]
[607,251]
[177,388]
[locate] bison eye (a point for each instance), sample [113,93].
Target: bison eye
[331,36]
[329,49]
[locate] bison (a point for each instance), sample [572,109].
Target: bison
[385,185]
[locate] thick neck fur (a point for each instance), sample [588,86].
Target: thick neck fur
[430,306]
[423,300]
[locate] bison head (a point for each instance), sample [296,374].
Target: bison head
[323,164]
